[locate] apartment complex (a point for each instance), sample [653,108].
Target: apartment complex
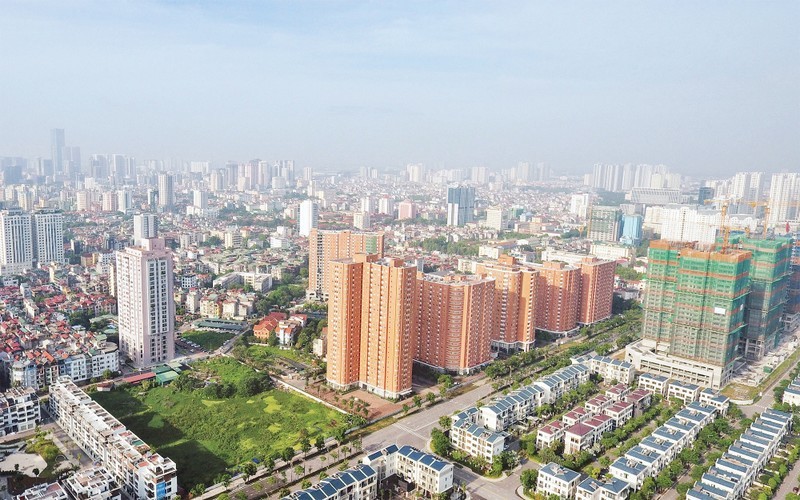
[455,321]
[430,474]
[27,238]
[694,308]
[146,303]
[133,465]
[460,205]
[326,246]
[705,308]
[766,301]
[559,296]
[372,325]
[19,410]
[605,223]
[514,326]
[597,289]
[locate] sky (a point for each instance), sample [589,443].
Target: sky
[707,88]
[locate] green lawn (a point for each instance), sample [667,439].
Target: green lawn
[263,351]
[205,436]
[208,340]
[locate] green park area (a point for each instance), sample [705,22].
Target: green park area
[207,339]
[217,416]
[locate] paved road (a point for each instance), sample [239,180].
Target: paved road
[790,482]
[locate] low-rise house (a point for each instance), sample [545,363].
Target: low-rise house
[618,392]
[620,412]
[609,368]
[19,410]
[656,384]
[475,440]
[597,404]
[357,483]
[576,416]
[429,473]
[683,391]
[791,395]
[557,480]
[641,399]
[95,483]
[550,434]
[592,489]
[47,491]
[710,397]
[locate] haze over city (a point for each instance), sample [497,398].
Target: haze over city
[705,88]
[387,250]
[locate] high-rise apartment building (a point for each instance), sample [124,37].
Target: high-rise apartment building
[559,295]
[144,226]
[386,205]
[784,198]
[495,218]
[372,325]
[16,242]
[766,301]
[145,303]
[308,217]
[694,308]
[200,199]
[514,326]
[57,150]
[460,205]
[597,289]
[48,236]
[326,246]
[166,191]
[455,321]
[361,220]
[406,209]
[704,193]
[605,223]
[124,201]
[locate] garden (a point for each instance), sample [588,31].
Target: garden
[219,416]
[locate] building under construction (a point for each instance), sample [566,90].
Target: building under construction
[792,311]
[766,302]
[706,308]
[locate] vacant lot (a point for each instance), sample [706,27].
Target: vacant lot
[205,436]
[208,340]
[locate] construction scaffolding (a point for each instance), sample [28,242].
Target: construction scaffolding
[695,302]
[766,303]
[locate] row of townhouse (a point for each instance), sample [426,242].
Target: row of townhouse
[357,483]
[737,468]
[37,372]
[657,450]
[609,368]
[518,405]
[566,484]
[427,472]
[94,483]
[19,410]
[582,427]
[481,432]
[140,472]
[683,391]
[792,393]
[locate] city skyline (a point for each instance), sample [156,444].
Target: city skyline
[345,85]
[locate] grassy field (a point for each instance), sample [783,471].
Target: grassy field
[208,340]
[262,351]
[205,436]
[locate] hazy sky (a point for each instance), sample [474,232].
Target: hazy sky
[707,86]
